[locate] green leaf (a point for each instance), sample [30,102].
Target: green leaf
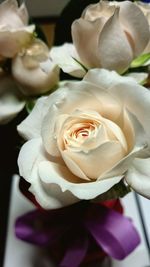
[30,105]
[140,61]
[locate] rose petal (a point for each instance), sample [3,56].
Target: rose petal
[30,127]
[62,102]
[36,80]
[50,174]
[112,33]
[138,177]
[95,162]
[139,148]
[139,32]
[11,41]
[65,56]
[85,46]
[31,154]
[140,77]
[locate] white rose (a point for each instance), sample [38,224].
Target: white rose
[108,35]
[14,32]
[85,137]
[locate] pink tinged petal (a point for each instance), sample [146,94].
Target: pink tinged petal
[65,57]
[138,177]
[95,162]
[31,154]
[85,36]
[30,127]
[11,101]
[136,25]
[112,36]
[51,173]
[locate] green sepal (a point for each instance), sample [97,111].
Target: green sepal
[140,61]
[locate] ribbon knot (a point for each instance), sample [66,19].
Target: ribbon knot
[79,227]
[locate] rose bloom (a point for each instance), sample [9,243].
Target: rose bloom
[85,137]
[14,32]
[34,70]
[108,35]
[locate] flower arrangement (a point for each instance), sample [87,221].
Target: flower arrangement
[86,138]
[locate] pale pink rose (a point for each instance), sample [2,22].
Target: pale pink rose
[34,70]
[85,137]
[14,32]
[108,35]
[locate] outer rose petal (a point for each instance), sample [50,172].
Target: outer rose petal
[85,36]
[127,91]
[50,174]
[65,56]
[139,32]
[50,195]
[112,35]
[30,127]
[138,176]
[11,101]
[35,80]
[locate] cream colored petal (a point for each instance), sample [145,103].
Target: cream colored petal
[101,9]
[11,42]
[49,196]
[51,174]
[139,150]
[136,98]
[105,79]
[65,57]
[138,177]
[11,101]
[31,154]
[36,80]
[30,127]
[113,36]
[136,25]
[140,77]
[64,101]
[85,35]
[97,161]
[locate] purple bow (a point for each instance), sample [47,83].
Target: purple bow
[77,226]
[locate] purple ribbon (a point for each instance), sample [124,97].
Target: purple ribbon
[77,226]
